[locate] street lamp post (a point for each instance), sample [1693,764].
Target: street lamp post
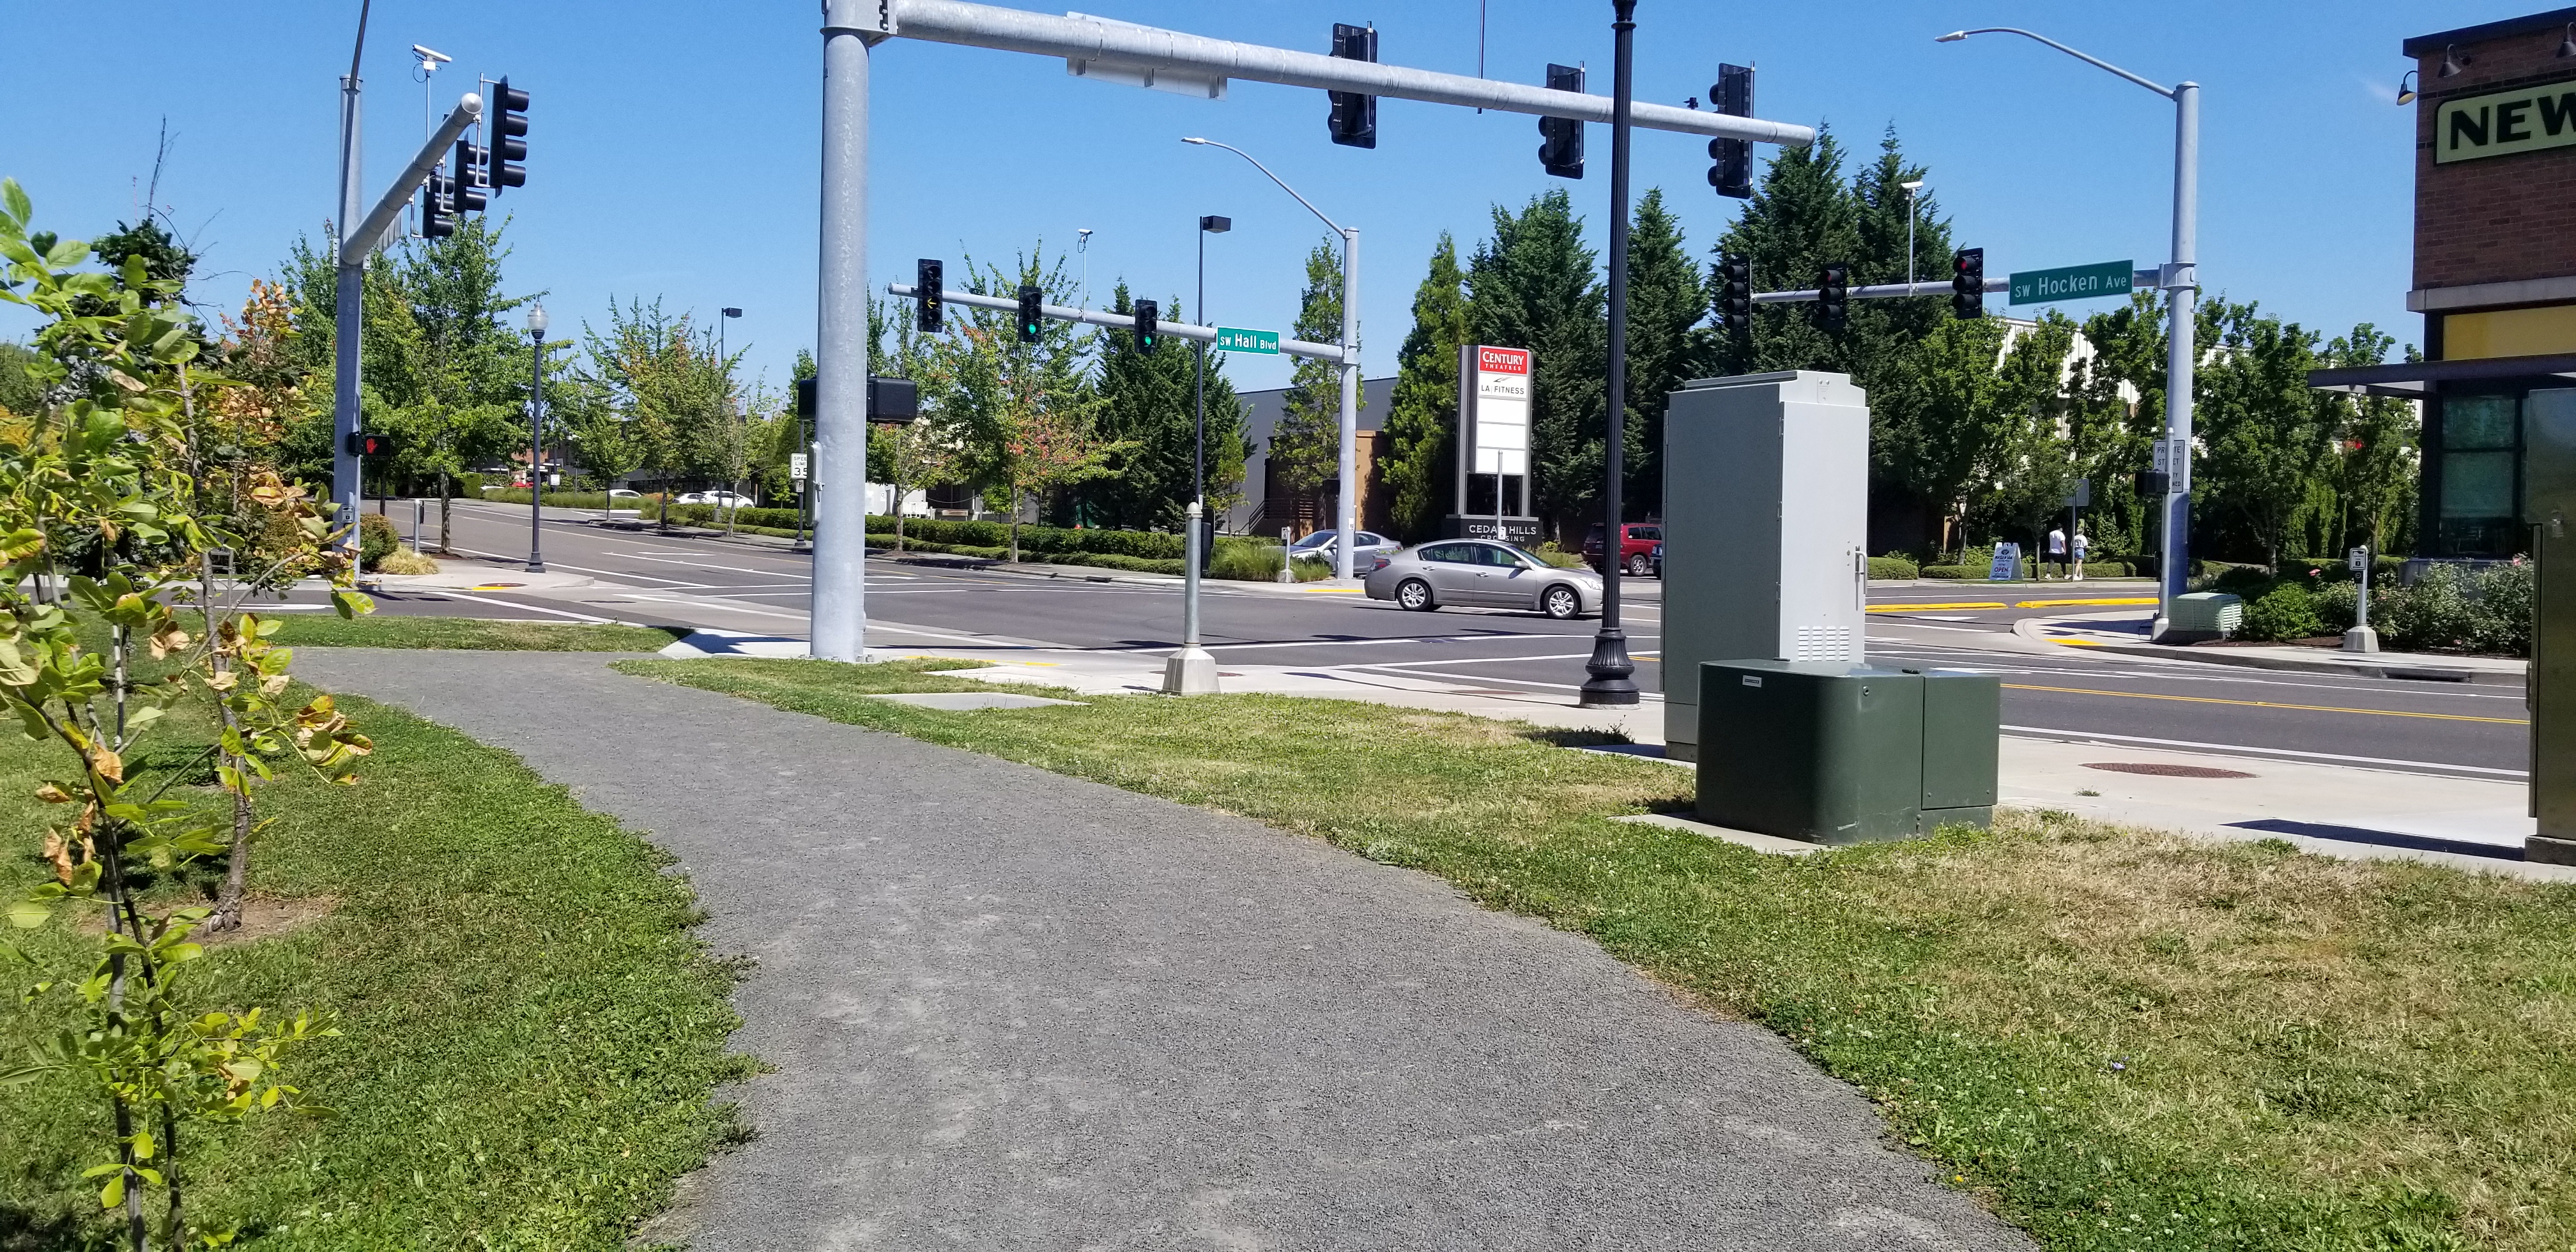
[536,434]
[2181,282]
[1910,189]
[1191,671]
[1610,683]
[1347,519]
[724,364]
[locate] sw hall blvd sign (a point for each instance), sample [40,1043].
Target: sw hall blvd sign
[2074,282]
[2501,123]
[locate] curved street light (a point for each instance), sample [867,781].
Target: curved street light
[2180,281]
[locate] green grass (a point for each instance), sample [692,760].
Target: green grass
[380,630]
[532,1033]
[2117,1039]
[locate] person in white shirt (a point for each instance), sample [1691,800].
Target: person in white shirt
[2082,545]
[2056,547]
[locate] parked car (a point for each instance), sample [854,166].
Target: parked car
[1475,573]
[1369,546]
[1636,546]
[720,499]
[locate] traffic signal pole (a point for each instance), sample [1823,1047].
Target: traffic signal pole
[356,244]
[1119,52]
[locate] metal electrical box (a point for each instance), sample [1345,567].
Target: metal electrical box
[2549,508]
[1838,753]
[1766,514]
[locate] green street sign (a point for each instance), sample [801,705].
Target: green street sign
[2075,282]
[1230,339]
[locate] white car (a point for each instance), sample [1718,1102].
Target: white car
[720,499]
[1369,546]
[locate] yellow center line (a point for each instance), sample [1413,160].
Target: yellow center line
[2059,604]
[1965,604]
[2267,704]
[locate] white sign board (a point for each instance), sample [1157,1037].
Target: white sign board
[2173,458]
[796,466]
[2358,559]
[1498,410]
[2006,566]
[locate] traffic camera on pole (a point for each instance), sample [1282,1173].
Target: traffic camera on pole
[930,313]
[1833,296]
[1354,118]
[1732,95]
[1735,294]
[1148,325]
[509,142]
[1032,319]
[1562,152]
[1968,284]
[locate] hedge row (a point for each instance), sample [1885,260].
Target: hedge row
[1149,544]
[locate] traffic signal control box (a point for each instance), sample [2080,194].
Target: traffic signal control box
[1843,753]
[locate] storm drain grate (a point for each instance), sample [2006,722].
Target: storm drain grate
[2161,770]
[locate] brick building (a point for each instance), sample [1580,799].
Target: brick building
[2495,268]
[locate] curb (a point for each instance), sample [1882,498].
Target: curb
[2030,627]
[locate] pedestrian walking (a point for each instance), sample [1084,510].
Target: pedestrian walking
[2082,545]
[2056,547]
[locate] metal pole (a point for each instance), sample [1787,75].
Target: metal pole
[1610,684]
[1909,236]
[348,316]
[841,342]
[536,449]
[1198,383]
[1190,671]
[1350,460]
[2181,281]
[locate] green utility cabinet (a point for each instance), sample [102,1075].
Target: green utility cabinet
[1841,753]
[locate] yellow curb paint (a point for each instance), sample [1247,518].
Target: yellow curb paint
[2079,643]
[2062,604]
[1917,608]
[2267,704]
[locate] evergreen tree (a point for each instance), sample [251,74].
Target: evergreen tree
[1534,285]
[2268,438]
[1800,217]
[1148,399]
[1305,448]
[1422,420]
[1666,344]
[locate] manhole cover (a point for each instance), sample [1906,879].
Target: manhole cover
[2165,771]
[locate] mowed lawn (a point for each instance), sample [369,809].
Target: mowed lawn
[2120,1040]
[531,1034]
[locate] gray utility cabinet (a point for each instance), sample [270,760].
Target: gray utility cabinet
[2549,507]
[1837,753]
[1766,514]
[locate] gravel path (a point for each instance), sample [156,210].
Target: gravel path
[1008,1009]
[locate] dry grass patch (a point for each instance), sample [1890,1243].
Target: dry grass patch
[2121,1040]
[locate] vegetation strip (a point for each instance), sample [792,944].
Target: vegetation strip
[476,633]
[2120,1040]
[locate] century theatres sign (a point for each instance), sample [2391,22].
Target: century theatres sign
[1495,385]
[2501,123]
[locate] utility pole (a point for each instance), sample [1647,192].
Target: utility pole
[348,291]
[1611,682]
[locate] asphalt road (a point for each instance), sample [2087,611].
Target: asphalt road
[2389,723]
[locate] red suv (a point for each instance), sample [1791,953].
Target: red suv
[1637,542]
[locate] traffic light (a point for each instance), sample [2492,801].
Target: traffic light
[930,311]
[1354,117]
[805,398]
[363,443]
[469,178]
[509,126]
[1732,171]
[1032,320]
[1149,330]
[1562,152]
[1735,293]
[1968,283]
[436,221]
[893,401]
[1833,296]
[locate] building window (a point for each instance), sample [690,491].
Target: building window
[2481,441]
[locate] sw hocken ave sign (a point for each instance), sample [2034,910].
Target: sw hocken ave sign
[2074,282]
[2501,123]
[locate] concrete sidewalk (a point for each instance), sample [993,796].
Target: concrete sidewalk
[2125,632]
[1008,1009]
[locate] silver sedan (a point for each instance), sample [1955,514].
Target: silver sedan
[1475,573]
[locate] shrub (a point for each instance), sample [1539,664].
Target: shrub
[1959,572]
[2335,603]
[2287,611]
[376,537]
[1893,567]
[2456,608]
[1245,562]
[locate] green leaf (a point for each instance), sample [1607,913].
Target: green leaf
[29,914]
[113,1193]
[14,198]
[351,603]
[67,253]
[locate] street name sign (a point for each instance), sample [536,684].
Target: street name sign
[1232,339]
[2073,282]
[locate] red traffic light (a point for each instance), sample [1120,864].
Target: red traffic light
[362,443]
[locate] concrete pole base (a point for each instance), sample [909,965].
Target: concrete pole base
[2361,639]
[2162,627]
[1190,672]
[2547,851]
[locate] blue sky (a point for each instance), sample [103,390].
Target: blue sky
[673,146]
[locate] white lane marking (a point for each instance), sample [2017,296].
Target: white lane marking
[2086,736]
[583,569]
[513,604]
[703,606]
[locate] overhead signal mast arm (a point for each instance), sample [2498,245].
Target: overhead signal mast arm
[1079,38]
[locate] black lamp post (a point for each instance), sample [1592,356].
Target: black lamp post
[1611,683]
[1208,225]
